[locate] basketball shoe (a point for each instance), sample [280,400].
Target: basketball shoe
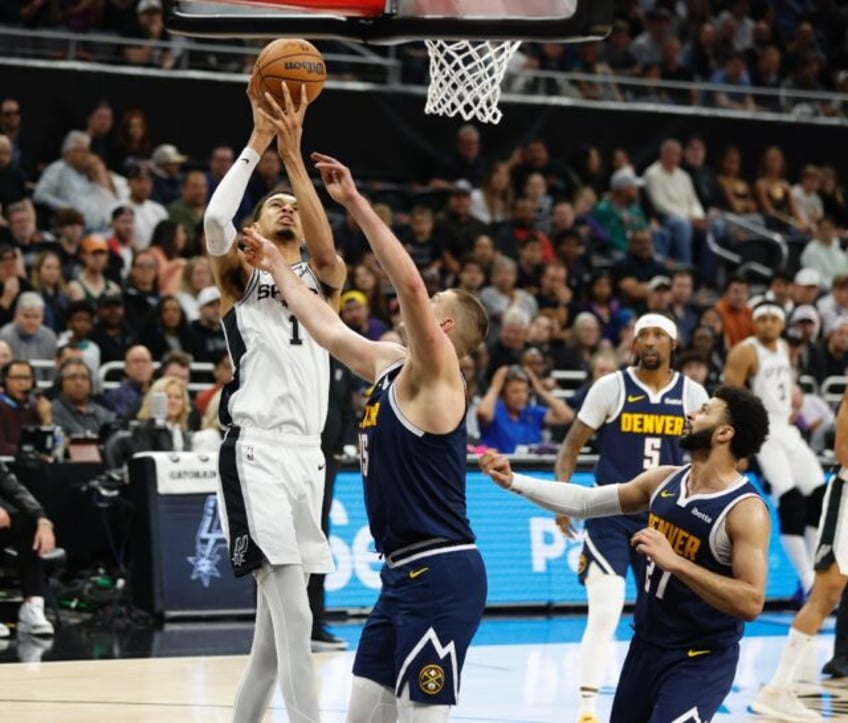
[323,640]
[31,618]
[782,704]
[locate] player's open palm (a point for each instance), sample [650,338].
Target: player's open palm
[336,177]
[259,251]
[287,119]
[262,121]
[566,526]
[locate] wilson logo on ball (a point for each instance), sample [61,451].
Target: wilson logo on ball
[310,66]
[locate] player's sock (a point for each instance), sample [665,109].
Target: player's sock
[605,594]
[588,701]
[371,702]
[411,712]
[796,550]
[797,645]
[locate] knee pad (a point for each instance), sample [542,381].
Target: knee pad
[792,512]
[815,502]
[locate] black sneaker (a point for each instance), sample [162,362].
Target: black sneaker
[836,667]
[323,640]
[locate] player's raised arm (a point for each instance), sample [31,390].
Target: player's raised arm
[287,122]
[364,357]
[840,444]
[230,271]
[576,500]
[430,350]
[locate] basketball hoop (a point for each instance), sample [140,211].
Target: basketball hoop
[470,42]
[466,76]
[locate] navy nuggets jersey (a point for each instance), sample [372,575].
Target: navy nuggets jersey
[280,374]
[668,613]
[643,431]
[414,480]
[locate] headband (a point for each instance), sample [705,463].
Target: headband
[770,310]
[656,320]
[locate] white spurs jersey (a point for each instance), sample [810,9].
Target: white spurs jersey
[773,381]
[281,376]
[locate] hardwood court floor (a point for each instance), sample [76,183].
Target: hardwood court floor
[518,671]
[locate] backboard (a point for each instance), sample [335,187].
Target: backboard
[392,21]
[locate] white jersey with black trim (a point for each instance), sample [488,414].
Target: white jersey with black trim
[281,376]
[773,380]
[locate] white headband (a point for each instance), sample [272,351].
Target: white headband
[656,320]
[770,310]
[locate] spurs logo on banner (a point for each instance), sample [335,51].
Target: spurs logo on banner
[208,541]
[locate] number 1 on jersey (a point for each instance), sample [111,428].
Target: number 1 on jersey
[295,331]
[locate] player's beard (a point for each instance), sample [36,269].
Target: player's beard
[700,441]
[652,362]
[286,234]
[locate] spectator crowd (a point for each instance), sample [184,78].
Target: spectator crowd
[102,250]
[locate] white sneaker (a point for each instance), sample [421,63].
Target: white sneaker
[4,631]
[782,704]
[31,618]
[31,648]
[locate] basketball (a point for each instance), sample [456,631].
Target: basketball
[294,61]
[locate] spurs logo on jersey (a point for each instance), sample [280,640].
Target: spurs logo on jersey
[289,394]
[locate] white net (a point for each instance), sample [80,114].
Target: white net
[465,77]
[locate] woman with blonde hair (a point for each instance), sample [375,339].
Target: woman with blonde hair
[168,434]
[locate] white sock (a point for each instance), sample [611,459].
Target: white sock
[371,702]
[409,711]
[797,645]
[606,601]
[796,550]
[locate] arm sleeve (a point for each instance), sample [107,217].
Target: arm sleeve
[224,204]
[572,500]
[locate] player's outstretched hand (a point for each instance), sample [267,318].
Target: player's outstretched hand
[262,123]
[497,467]
[259,251]
[287,120]
[336,177]
[653,543]
[566,526]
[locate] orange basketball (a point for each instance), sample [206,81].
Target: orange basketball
[294,61]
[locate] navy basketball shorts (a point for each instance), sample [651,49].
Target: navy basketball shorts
[418,633]
[606,544]
[658,685]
